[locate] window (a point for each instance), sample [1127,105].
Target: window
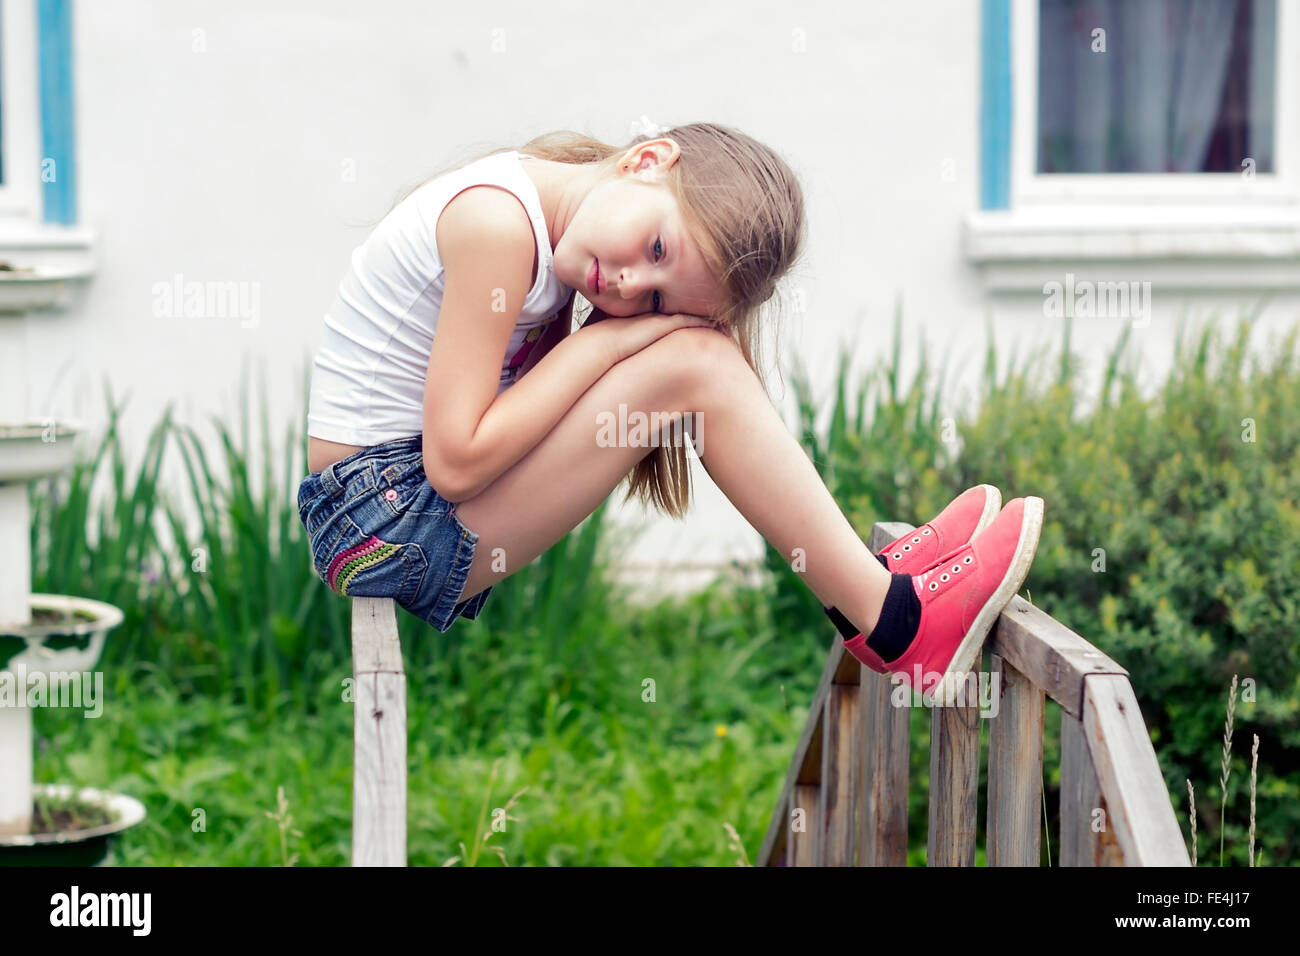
[38,169]
[1156,86]
[1160,131]
[20,185]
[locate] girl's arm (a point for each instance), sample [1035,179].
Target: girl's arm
[472,435]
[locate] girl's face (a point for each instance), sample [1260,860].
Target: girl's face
[627,249]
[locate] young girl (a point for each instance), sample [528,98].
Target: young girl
[442,463]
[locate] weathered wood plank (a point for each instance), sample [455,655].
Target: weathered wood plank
[1053,657]
[886,750]
[1015,776]
[805,765]
[1139,810]
[379,736]
[1086,836]
[954,783]
[840,777]
[805,827]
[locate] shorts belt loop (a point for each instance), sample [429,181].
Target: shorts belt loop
[329,482]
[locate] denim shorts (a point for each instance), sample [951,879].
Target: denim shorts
[377,528]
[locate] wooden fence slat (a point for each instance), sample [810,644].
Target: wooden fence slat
[886,753]
[840,777]
[379,736]
[805,844]
[954,781]
[1082,805]
[1015,774]
[1140,813]
[805,766]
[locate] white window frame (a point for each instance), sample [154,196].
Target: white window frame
[1218,190]
[1194,230]
[20,194]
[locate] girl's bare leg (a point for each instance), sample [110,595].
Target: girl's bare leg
[745,447]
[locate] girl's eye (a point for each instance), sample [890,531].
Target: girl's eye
[658,245]
[657,300]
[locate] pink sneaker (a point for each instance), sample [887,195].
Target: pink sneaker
[961,596]
[966,516]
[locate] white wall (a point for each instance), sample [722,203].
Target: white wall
[227,163]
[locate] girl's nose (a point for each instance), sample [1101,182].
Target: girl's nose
[626,284]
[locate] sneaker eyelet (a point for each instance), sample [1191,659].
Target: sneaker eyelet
[916,540]
[944,576]
[898,555]
[907,547]
[968,559]
[926,531]
[956,568]
[934,586]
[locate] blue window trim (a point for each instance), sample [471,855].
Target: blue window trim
[58,131]
[995,104]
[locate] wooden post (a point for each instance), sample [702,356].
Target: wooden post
[1015,770]
[1140,814]
[379,736]
[954,779]
[840,777]
[805,844]
[886,749]
[1083,810]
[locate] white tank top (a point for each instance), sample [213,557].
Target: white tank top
[367,383]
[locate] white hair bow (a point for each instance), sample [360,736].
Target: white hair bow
[648,127]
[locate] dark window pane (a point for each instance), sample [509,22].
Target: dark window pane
[1156,86]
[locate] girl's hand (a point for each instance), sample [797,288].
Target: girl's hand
[630,335]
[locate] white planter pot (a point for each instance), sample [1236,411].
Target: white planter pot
[90,623]
[86,847]
[36,450]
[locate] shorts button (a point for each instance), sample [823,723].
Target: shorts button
[391,494]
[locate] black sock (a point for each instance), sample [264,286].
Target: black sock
[899,620]
[881,559]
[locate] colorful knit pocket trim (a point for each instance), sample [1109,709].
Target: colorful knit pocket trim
[354,560]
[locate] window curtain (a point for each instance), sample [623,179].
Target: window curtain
[1150,101]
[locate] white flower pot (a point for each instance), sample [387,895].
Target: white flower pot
[22,676]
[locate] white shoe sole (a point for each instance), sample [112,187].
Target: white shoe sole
[968,650]
[992,505]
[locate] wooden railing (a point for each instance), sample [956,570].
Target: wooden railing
[379,736]
[844,800]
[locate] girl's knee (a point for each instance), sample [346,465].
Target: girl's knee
[688,360]
[710,349]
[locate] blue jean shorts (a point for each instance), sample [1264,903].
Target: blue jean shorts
[377,528]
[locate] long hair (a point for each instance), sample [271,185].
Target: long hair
[744,208]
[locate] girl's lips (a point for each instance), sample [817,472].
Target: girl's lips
[593,277]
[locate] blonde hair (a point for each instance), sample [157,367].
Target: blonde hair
[744,208]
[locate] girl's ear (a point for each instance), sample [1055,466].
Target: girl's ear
[665,150]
